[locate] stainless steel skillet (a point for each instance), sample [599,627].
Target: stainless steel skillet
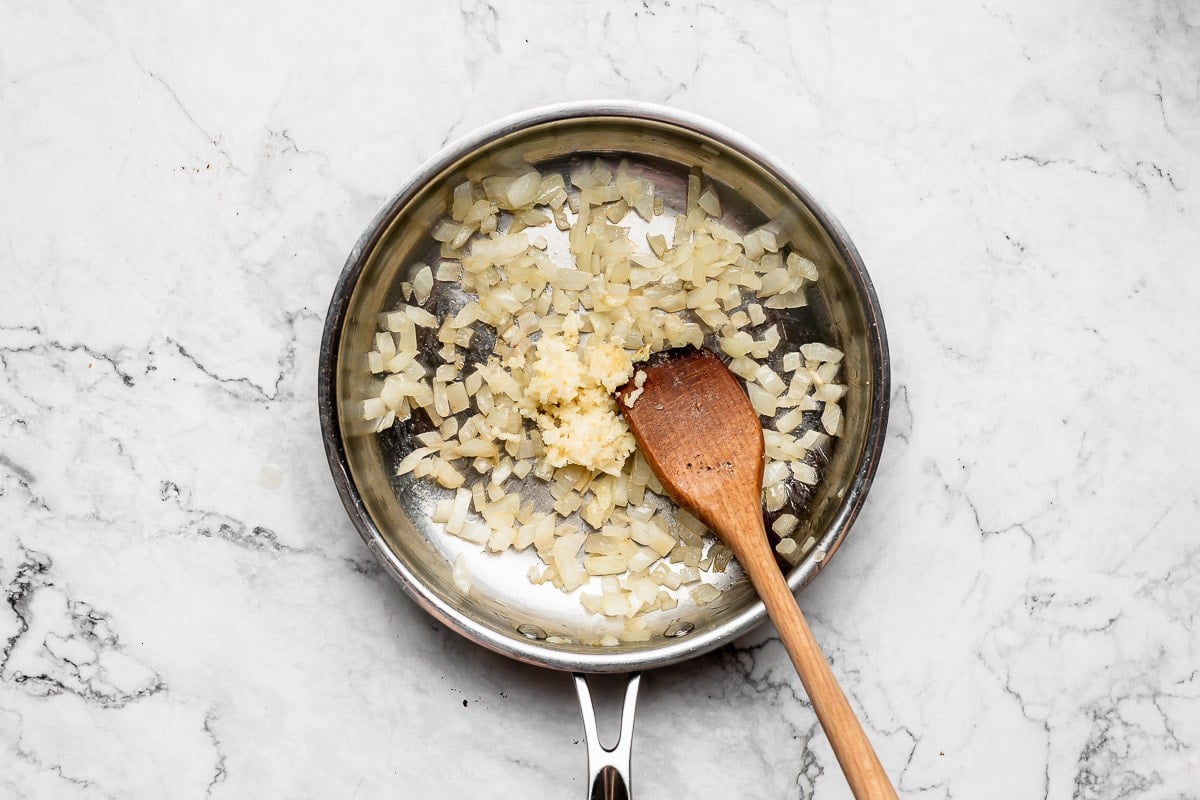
[503,611]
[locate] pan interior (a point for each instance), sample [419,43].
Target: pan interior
[503,610]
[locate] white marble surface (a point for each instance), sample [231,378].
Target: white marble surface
[187,611]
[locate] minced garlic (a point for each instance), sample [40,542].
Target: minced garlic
[639,380]
[570,397]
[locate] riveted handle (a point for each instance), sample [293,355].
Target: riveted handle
[608,767]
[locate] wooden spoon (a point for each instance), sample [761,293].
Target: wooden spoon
[703,439]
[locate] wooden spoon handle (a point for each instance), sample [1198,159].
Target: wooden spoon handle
[863,771]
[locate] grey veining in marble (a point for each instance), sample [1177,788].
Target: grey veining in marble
[188,614]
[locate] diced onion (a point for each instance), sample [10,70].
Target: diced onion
[459,574]
[785,524]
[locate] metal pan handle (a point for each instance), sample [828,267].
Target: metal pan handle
[608,767]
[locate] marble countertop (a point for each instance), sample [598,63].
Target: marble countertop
[188,613]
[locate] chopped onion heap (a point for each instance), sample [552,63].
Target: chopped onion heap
[568,330]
